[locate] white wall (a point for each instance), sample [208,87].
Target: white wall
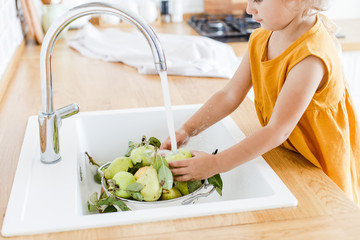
[190,6]
[11,37]
[341,9]
[338,8]
[10,33]
[194,6]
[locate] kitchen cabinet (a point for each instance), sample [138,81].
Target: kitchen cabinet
[323,212]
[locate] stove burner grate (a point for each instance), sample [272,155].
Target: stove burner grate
[224,27]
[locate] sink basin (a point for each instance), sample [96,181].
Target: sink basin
[53,197]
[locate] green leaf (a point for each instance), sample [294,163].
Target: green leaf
[155,142]
[111,199]
[160,161]
[137,196]
[103,195]
[134,191]
[165,177]
[136,167]
[97,177]
[217,182]
[91,207]
[102,202]
[219,191]
[131,145]
[122,205]
[110,208]
[94,198]
[107,202]
[134,187]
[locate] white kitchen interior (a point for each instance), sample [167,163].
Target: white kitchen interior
[11,33]
[276,196]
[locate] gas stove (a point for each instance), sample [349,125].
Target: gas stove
[224,27]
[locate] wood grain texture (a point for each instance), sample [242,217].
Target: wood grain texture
[324,212]
[225,6]
[33,20]
[27,16]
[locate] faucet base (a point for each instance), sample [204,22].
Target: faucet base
[49,125]
[49,137]
[46,161]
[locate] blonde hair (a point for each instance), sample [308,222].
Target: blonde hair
[317,6]
[311,7]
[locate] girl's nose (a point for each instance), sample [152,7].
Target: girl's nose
[250,8]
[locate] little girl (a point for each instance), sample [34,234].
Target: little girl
[301,98]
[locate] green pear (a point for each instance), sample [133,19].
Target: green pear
[182,187]
[143,154]
[170,194]
[141,171]
[120,164]
[182,153]
[194,185]
[123,179]
[188,187]
[151,190]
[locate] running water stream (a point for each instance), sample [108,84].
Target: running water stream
[169,113]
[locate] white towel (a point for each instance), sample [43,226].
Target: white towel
[185,55]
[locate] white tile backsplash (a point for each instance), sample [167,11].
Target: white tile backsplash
[10,33]
[193,6]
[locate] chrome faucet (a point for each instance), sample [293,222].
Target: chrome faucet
[50,119]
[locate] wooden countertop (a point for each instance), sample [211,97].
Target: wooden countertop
[323,211]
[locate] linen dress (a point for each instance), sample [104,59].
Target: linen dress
[328,132]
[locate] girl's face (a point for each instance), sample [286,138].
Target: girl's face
[273,14]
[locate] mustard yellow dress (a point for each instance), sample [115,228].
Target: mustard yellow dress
[328,133]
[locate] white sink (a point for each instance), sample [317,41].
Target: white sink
[53,197]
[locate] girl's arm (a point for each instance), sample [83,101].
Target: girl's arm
[221,104]
[299,88]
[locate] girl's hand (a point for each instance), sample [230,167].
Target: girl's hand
[182,137]
[201,166]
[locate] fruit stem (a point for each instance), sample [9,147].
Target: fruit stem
[155,153]
[91,160]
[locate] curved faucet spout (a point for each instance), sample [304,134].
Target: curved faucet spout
[49,119]
[80,11]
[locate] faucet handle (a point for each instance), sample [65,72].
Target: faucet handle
[68,110]
[50,124]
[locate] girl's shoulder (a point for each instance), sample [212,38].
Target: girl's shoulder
[259,34]
[258,39]
[317,41]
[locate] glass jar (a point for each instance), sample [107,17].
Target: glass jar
[50,12]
